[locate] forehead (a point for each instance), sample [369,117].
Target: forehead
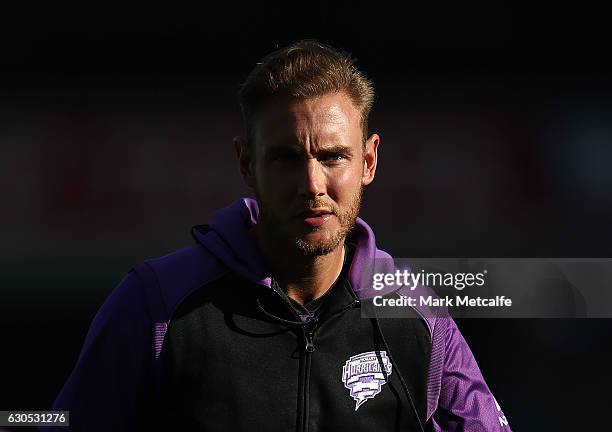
[331,116]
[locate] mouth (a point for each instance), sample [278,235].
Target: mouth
[316,217]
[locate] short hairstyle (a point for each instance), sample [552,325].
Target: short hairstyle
[303,70]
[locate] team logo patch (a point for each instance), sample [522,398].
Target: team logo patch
[363,376]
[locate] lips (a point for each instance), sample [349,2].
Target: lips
[316,217]
[315,212]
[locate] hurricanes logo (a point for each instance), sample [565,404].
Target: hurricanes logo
[363,376]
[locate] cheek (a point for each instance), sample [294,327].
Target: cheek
[344,182]
[272,184]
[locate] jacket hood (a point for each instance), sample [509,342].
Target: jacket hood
[229,237]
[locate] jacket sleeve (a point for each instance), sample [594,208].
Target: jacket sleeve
[465,402]
[110,386]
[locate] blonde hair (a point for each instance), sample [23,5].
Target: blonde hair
[304,70]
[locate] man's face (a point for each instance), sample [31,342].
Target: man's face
[307,166]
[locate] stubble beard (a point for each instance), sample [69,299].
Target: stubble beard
[273,227]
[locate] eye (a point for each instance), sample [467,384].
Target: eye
[285,158]
[335,158]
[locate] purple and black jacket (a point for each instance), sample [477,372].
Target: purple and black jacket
[203,339]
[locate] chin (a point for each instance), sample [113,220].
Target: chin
[316,238]
[317,245]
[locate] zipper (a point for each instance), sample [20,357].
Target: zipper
[308,330]
[304,372]
[309,347]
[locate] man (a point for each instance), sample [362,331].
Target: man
[259,324]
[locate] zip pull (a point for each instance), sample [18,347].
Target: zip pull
[308,334]
[309,342]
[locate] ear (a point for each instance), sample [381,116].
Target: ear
[245,160]
[370,159]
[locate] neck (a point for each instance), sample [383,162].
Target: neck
[302,278]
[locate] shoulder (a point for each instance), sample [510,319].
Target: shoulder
[171,278]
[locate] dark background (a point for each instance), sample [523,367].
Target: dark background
[115,134]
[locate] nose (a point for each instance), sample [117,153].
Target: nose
[312,183]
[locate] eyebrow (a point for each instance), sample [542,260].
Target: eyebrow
[335,149]
[284,150]
[298,150]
